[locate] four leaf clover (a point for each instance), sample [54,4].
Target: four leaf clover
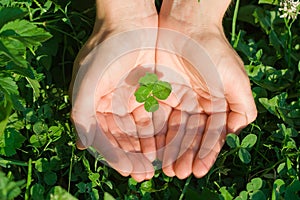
[151,90]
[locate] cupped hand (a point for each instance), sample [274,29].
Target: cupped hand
[189,129]
[105,76]
[225,102]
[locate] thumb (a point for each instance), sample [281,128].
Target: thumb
[237,121]
[85,131]
[240,100]
[241,105]
[80,145]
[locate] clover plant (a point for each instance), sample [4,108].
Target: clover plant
[151,90]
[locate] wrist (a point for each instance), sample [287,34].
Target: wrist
[204,14]
[120,10]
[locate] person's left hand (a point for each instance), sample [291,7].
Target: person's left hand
[216,79]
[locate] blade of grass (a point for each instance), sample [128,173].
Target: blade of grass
[27,193]
[71,167]
[5,163]
[185,187]
[234,20]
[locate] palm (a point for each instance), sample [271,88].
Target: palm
[226,105]
[104,79]
[211,93]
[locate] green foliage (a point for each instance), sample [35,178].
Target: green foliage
[58,193]
[150,90]
[243,149]
[10,141]
[39,40]
[17,35]
[272,2]
[9,189]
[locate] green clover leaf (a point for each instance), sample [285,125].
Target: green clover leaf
[162,90]
[151,104]
[142,94]
[148,79]
[151,90]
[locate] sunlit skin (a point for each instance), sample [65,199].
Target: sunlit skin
[112,18]
[203,23]
[135,130]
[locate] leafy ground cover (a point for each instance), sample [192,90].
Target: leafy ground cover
[39,40]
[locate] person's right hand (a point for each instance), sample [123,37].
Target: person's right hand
[200,135]
[105,76]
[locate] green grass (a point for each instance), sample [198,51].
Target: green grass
[39,40]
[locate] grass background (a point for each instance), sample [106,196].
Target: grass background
[39,40]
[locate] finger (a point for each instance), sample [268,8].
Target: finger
[115,103]
[127,127]
[160,122]
[160,118]
[114,156]
[85,131]
[85,124]
[148,147]
[142,167]
[102,122]
[238,95]
[211,144]
[122,138]
[160,140]
[176,130]
[101,119]
[190,145]
[120,107]
[242,110]
[79,144]
[145,129]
